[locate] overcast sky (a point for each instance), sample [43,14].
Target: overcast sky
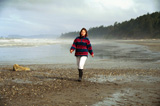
[33,17]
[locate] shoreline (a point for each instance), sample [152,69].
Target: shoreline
[152,44]
[98,64]
[113,53]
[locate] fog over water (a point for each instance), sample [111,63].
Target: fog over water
[108,53]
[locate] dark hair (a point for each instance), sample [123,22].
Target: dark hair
[81,31]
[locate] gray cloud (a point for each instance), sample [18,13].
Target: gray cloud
[2,4]
[157,4]
[57,16]
[33,4]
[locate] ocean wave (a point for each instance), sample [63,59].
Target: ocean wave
[27,42]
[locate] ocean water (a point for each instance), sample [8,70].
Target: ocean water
[35,51]
[108,53]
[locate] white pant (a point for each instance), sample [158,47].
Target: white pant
[81,61]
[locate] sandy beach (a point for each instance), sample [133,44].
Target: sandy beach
[57,85]
[153,44]
[50,85]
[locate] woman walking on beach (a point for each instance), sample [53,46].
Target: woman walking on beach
[82,46]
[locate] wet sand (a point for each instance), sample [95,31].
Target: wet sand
[54,85]
[112,79]
[153,45]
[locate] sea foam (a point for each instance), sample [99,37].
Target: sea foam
[27,42]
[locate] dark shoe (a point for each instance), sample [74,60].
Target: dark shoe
[80,79]
[80,75]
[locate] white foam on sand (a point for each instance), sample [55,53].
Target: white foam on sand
[21,81]
[110,101]
[123,78]
[117,98]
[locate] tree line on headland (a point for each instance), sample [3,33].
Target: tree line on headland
[143,27]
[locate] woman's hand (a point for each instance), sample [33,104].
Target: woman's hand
[71,51]
[92,55]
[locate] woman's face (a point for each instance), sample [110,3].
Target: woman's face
[83,33]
